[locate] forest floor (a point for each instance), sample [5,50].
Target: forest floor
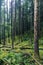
[19,50]
[25,47]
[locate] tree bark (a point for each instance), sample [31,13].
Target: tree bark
[20,24]
[12,24]
[0,21]
[36,33]
[4,25]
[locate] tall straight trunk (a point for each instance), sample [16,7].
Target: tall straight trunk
[11,23]
[31,26]
[15,21]
[8,23]
[20,24]
[0,21]
[23,19]
[4,23]
[36,27]
[14,26]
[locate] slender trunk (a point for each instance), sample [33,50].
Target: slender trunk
[20,27]
[8,19]
[23,19]
[12,23]
[36,21]
[14,26]
[4,23]
[0,21]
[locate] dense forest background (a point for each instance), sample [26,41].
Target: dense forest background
[20,31]
[18,13]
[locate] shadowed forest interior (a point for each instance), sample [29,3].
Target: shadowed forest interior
[21,32]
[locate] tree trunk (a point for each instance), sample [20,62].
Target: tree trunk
[20,24]
[36,33]
[12,24]
[4,24]
[0,21]
[8,20]
[14,27]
